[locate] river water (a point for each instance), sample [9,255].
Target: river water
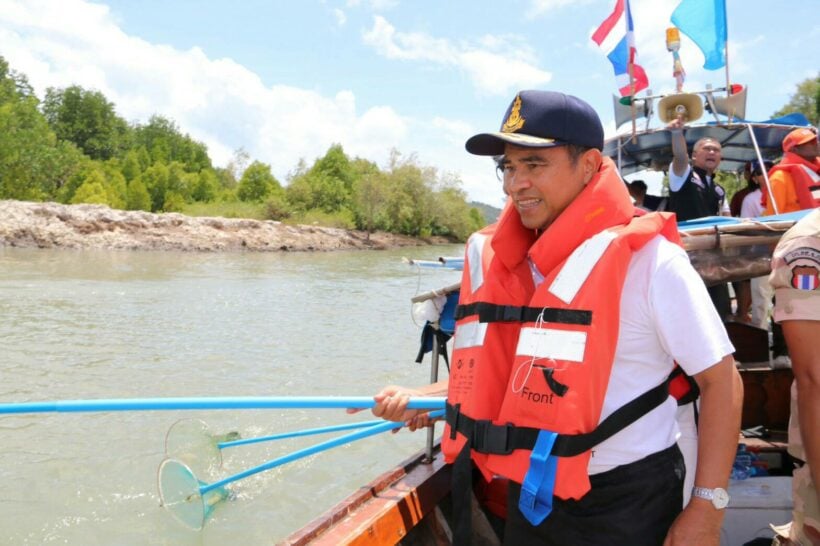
[101,324]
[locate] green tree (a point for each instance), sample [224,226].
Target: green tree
[174,202]
[730,182]
[452,216]
[257,183]
[138,197]
[180,182]
[33,164]
[277,207]
[318,190]
[116,186]
[410,197]
[144,158]
[164,142]
[87,119]
[338,177]
[131,167]
[806,100]
[92,190]
[225,178]
[327,185]
[206,186]
[155,179]
[370,195]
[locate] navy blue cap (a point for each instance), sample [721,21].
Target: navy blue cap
[542,119]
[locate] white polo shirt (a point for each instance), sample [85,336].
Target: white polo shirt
[666,317]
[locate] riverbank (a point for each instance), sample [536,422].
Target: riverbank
[53,225]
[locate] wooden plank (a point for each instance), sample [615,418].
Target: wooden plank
[382,512]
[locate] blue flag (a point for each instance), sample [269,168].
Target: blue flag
[704,21]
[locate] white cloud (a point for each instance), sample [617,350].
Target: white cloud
[341,18]
[483,63]
[375,5]
[540,7]
[216,101]
[227,106]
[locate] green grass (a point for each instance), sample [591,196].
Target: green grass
[230,209]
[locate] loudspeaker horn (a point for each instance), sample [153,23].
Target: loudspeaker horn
[731,106]
[623,112]
[686,104]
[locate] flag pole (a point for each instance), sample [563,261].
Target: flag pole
[632,102]
[726,55]
[630,66]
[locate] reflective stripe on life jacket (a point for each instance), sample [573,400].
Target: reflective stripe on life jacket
[806,185]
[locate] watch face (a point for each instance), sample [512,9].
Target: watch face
[720,498]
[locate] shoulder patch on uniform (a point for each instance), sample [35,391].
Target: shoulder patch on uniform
[804,263]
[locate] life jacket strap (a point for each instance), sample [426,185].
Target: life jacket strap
[491,312]
[555,386]
[484,436]
[535,501]
[683,386]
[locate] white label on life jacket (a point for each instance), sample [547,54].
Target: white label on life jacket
[475,250]
[550,343]
[470,334]
[579,265]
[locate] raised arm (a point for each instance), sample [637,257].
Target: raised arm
[680,154]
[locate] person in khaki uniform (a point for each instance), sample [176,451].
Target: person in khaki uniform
[796,280]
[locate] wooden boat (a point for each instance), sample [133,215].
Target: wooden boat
[402,506]
[408,505]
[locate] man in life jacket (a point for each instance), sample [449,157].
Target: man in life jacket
[566,335]
[795,181]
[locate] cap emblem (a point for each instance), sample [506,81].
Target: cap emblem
[514,121]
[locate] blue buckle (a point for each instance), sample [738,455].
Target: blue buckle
[535,501]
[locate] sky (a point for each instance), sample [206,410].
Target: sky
[285,80]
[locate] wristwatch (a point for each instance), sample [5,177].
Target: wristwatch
[718,496]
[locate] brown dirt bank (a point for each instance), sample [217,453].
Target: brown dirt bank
[52,225]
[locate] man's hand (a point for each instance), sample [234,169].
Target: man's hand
[676,124]
[680,155]
[391,404]
[698,525]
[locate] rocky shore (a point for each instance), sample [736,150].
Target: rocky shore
[52,225]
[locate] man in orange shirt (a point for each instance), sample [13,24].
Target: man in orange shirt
[795,181]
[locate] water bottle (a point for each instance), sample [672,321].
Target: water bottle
[742,467]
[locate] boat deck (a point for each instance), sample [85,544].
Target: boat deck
[397,507]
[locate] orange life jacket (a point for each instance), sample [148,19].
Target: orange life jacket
[805,176]
[480,348]
[601,218]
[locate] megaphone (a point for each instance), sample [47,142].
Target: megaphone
[686,105]
[731,106]
[623,112]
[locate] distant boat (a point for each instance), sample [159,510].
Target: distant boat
[444,262]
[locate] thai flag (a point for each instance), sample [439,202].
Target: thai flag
[616,37]
[805,282]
